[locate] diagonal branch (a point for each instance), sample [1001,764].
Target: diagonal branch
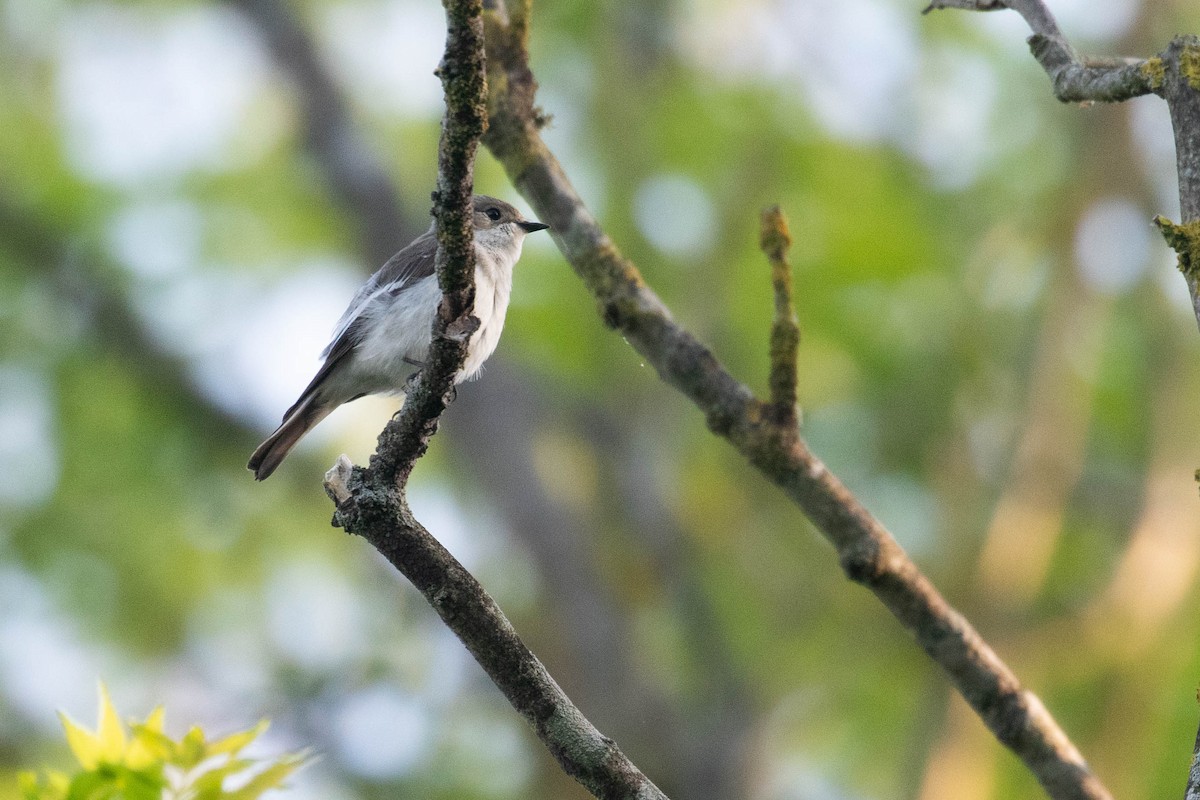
[584,753]
[867,551]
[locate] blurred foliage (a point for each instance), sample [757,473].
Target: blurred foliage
[998,357]
[140,762]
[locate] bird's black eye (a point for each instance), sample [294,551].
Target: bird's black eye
[493,213]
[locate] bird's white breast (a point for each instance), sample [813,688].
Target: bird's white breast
[398,328]
[493,287]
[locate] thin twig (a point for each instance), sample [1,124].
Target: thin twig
[867,551]
[775,239]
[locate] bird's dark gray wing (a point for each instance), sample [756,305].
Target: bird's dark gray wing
[399,273]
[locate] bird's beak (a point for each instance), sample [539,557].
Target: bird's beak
[530,227]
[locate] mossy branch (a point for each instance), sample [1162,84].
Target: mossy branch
[775,239]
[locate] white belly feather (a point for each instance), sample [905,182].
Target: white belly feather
[399,328]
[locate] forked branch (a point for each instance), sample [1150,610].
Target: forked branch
[1173,75]
[867,551]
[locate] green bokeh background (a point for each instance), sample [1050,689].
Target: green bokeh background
[998,358]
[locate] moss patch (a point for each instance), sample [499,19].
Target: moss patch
[1153,71]
[1185,241]
[1189,65]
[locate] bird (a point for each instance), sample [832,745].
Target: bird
[386,330]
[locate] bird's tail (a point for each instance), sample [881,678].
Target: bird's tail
[299,420]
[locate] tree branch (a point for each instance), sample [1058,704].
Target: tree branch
[867,551]
[1075,79]
[584,753]
[372,503]
[1173,75]
[1035,12]
[406,438]
[775,239]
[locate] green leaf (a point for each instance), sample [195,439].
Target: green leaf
[191,749]
[236,741]
[270,778]
[31,788]
[92,785]
[110,731]
[149,746]
[84,744]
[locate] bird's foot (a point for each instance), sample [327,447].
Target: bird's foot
[462,328]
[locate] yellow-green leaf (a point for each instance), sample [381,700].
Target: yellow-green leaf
[58,782]
[84,744]
[110,730]
[270,778]
[148,746]
[28,783]
[236,741]
[191,750]
[154,722]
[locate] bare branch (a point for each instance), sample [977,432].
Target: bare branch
[775,239]
[867,551]
[1075,79]
[1193,781]
[1173,75]
[1078,80]
[1035,12]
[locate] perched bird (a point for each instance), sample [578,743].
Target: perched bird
[387,328]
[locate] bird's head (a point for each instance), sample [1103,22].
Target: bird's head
[499,226]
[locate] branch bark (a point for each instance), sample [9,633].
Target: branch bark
[1075,79]
[867,551]
[384,519]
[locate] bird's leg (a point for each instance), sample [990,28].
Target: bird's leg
[462,328]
